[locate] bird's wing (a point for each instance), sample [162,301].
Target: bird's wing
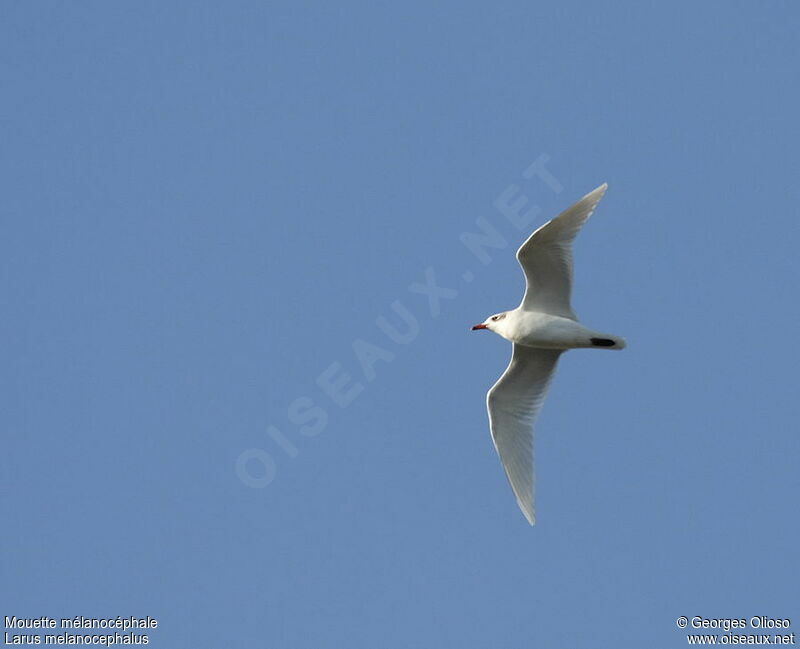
[546,258]
[514,403]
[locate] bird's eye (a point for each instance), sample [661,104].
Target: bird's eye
[495,317]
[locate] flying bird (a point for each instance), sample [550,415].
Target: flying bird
[541,328]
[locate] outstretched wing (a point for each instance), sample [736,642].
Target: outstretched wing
[546,258]
[514,403]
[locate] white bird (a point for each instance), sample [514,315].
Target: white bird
[541,328]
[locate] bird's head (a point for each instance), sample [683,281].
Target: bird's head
[492,323]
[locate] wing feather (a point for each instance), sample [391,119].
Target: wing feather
[513,404]
[546,258]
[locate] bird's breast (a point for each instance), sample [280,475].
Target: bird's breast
[549,331]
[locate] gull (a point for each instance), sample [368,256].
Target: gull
[541,328]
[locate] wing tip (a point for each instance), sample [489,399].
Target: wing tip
[599,191]
[527,512]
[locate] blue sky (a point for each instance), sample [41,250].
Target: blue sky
[207,207]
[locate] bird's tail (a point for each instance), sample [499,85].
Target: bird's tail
[608,341]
